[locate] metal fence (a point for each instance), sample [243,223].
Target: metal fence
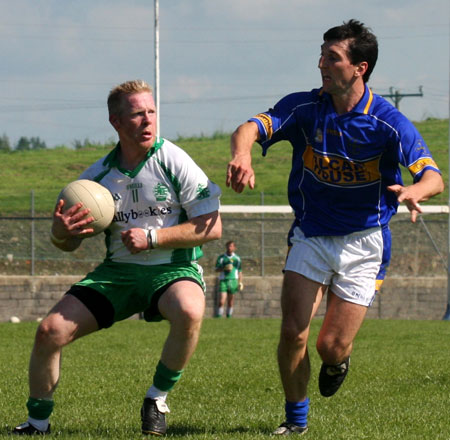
[418,249]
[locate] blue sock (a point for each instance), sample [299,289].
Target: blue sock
[297,412]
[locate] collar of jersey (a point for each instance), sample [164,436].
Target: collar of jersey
[112,159]
[363,105]
[365,102]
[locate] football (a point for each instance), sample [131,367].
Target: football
[93,196]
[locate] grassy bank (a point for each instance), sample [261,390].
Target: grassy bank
[47,171]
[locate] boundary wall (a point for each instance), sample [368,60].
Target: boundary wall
[420,298]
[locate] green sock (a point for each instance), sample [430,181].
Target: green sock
[40,409]
[165,378]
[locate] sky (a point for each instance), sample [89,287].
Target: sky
[221,62]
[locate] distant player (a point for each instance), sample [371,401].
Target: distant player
[344,187]
[165,208]
[230,278]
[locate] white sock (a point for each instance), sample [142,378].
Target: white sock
[42,425]
[230,311]
[220,311]
[155,393]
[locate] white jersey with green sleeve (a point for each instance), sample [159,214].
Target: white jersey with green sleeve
[165,189]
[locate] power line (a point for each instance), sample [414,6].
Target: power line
[396,96]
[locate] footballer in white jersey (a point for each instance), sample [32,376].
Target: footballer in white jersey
[165,209]
[166,189]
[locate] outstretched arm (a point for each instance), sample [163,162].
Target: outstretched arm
[429,185]
[240,172]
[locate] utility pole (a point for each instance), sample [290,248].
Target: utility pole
[396,96]
[447,312]
[157,90]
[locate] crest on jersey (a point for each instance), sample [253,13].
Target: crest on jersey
[161,192]
[202,192]
[319,136]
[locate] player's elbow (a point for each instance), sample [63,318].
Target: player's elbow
[431,184]
[69,245]
[441,186]
[247,132]
[215,230]
[437,186]
[209,226]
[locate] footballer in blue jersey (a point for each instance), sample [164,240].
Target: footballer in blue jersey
[344,186]
[343,164]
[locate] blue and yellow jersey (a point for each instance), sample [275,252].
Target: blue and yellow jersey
[343,164]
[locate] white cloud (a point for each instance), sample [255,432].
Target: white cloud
[191,87]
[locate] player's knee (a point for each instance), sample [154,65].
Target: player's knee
[332,348]
[190,313]
[51,332]
[292,334]
[193,315]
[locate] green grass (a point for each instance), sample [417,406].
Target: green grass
[398,386]
[47,171]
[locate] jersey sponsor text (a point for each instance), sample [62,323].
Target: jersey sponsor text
[340,171]
[151,211]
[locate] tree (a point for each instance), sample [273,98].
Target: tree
[5,146]
[37,144]
[79,144]
[23,144]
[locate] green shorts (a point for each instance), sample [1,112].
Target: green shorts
[130,288]
[229,286]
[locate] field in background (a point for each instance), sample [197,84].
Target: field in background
[47,171]
[398,386]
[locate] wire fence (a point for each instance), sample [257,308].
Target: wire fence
[418,249]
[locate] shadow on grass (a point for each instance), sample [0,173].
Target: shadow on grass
[6,431]
[101,432]
[184,430]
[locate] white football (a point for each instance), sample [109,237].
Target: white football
[14,319]
[94,197]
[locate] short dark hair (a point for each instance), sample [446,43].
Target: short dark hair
[363,45]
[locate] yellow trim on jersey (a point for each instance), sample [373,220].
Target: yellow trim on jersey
[378,284]
[418,166]
[266,121]
[369,102]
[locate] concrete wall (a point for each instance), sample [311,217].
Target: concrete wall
[30,298]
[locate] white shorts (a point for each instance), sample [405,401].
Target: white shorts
[348,264]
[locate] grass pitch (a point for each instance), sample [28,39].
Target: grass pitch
[398,386]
